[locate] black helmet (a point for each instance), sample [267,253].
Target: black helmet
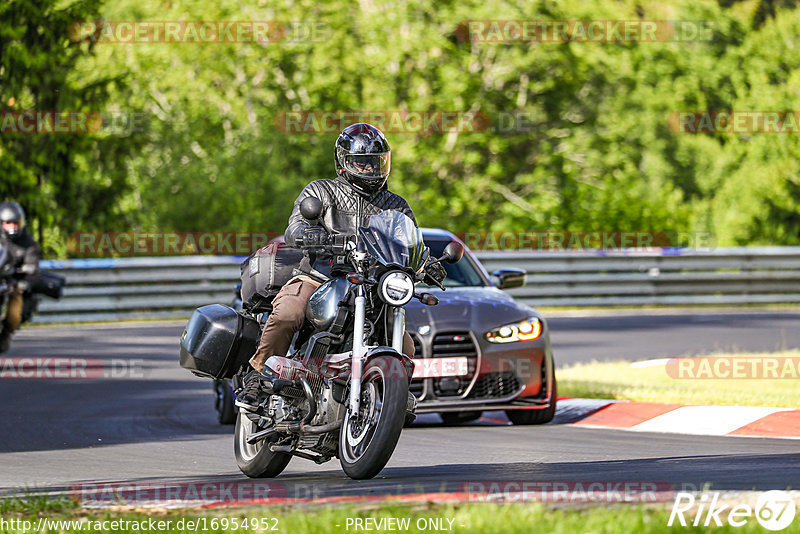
[11,212]
[363,158]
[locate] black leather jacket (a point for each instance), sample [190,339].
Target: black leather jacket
[344,211]
[24,255]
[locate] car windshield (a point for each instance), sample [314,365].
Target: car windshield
[461,274]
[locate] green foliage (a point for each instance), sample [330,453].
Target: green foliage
[596,152]
[67,182]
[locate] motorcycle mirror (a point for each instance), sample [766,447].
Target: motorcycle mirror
[311,208]
[452,252]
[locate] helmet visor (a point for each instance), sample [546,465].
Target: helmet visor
[368,165]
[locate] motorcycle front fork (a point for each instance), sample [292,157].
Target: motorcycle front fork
[359,345]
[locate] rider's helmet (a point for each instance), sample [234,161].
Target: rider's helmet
[12,220]
[363,158]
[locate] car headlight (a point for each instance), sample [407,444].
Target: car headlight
[396,288]
[526,330]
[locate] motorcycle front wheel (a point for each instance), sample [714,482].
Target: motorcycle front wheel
[256,460]
[367,440]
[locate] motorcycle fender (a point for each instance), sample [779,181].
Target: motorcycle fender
[337,366]
[374,352]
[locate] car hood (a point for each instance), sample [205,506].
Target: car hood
[460,308]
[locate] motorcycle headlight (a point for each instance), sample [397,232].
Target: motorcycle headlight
[396,288]
[527,330]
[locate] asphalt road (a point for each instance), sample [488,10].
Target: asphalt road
[140,418]
[641,336]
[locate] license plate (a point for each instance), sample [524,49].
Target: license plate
[441,367]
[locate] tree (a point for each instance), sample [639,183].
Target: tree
[66,181]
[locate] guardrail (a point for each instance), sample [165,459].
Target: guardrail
[742,275]
[129,288]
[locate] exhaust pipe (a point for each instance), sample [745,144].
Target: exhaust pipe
[312,404]
[258,436]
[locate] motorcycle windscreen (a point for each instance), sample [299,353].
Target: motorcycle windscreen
[392,238]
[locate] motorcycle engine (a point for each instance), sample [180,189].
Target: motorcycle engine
[328,411]
[280,410]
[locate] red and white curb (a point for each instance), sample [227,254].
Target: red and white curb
[678,419]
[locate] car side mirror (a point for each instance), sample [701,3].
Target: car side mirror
[509,278]
[452,252]
[311,208]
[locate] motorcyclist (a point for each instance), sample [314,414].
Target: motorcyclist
[24,255]
[362,157]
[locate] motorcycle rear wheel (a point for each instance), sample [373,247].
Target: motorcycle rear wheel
[366,443]
[256,460]
[223,403]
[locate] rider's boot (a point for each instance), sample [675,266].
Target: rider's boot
[252,393]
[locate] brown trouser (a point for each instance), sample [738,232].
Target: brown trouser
[288,314]
[14,314]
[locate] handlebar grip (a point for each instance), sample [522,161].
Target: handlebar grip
[438,284]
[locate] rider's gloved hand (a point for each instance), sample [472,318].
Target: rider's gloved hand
[436,271]
[27,269]
[314,236]
[23,285]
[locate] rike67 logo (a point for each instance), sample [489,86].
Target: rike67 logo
[774,510]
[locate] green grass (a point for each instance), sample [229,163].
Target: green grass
[475,517]
[618,380]
[32,502]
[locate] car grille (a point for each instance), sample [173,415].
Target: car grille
[495,385]
[454,344]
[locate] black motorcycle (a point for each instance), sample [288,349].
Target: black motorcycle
[342,391]
[46,283]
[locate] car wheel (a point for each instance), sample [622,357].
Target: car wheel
[459,418]
[223,402]
[534,417]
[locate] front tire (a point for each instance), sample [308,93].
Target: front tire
[256,460]
[366,443]
[535,417]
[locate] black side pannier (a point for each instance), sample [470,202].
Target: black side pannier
[218,341]
[49,284]
[265,272]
